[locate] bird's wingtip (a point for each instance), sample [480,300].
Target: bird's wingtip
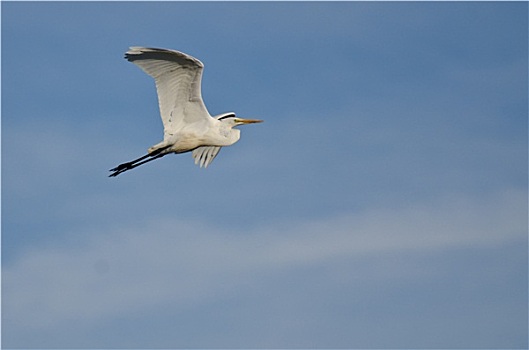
[140,52]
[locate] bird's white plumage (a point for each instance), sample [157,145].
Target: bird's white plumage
[188,126]
[178,79]
[204,155]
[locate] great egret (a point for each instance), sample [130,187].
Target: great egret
[187,124]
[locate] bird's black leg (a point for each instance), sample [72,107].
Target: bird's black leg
[134,163]
[128,164]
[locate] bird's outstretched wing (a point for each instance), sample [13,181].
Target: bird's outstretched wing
[205,155]
[178,79]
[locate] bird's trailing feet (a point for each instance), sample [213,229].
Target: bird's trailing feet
[134,163]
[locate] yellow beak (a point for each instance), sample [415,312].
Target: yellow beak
[248,121]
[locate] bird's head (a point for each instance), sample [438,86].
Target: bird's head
[232,120]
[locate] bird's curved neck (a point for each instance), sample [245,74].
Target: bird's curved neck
[234,135]
[228,135]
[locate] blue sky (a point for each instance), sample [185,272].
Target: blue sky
[382,204]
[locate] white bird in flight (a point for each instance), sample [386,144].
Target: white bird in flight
[187,124]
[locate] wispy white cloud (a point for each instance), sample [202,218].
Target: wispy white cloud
[170,262]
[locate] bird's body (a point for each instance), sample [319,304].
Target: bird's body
[187,123]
